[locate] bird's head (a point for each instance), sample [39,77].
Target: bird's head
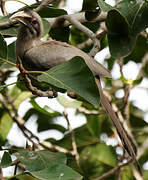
[30,21]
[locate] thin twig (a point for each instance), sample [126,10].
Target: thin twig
[50,93]
[3,8]
[87,31]
[16,118]
[94,112]
[74,146]
[112,171]
[43,5]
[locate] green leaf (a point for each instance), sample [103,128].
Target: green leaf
[126,173]
[46,27]
[11,52]
[94,124]
[59,171]
[97,159]
[46,165]
[45,117]
[74,76]
[137,118]
[120,37]
[90,15]
[68,103]
[124,23]
[48,112]
[38,160]
[3,48]
[9,31]
[105,154]
[139,50]
[128,9]
[104,6]
[5,126]
[89,4]
[49,12]
[83,138]
[60,34]
[6,160]
[141,22]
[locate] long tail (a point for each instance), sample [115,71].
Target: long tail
[121,131]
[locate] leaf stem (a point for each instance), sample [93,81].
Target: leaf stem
[6,85]
[7,61]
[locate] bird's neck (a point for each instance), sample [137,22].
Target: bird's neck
[25,40]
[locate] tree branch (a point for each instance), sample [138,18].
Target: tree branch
[74,146]
[112,171]
[19,121]
[2,3]
[43,4]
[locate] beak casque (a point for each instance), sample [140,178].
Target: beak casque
[20,16]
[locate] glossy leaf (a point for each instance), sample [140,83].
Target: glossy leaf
[46,165]
[12,32]
[90,15]
[140,23]
[49,12]
[57,172]
[94,124]
[38,160]
[104,6]
[139,50]
[95,162]
[120,37]
[126,174]
[11,52]
[46,27]
[60,34]
[124,23]
[74,76]
[83,138]
[105,154]
[89,4]
[68,103]
[45,121]
[5,126]
[6,160]
[3,48]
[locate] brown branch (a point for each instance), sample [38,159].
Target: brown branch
[3,8]
[43,4]
[58,21]
[115,169]
[87,31]
[50,93]
[144,62]
[17,119]
[89,112]
[1,174]
[74,146]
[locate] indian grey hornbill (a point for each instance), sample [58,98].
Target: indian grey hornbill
[42,55]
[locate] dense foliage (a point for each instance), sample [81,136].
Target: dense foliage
[83,152]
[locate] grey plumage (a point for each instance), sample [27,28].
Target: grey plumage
[39,55]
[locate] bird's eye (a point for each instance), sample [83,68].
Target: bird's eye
[34,22]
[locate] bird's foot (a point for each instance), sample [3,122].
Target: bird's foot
[21,68]
[52,93]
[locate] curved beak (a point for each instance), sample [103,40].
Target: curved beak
[20,17]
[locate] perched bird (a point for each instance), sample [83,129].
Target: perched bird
[42,55]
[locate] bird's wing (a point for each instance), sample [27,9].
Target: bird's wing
[51,53]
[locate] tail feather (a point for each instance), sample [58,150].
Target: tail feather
[121,131]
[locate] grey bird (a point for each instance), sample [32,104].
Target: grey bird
[42,55]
